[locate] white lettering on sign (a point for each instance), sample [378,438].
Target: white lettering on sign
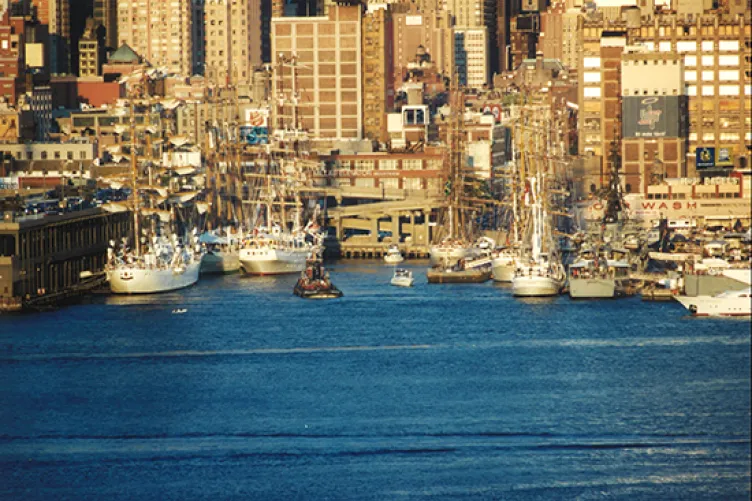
[721,180]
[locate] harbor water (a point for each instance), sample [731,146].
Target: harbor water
[237,389]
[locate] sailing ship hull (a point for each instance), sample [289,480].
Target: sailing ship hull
[272,261]
[503,270]
[220,262]
[592,288]
[441,255]
[438,276]
[132,280]
[535,286]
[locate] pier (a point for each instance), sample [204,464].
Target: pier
[48,258]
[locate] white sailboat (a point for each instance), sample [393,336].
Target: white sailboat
[540,274]
[165,266]
[160,265]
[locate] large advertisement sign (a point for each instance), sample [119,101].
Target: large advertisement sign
[704,158]
[254,135]
[654,116]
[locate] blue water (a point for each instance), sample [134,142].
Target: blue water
[433,392]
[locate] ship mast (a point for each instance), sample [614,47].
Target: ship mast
[134,181]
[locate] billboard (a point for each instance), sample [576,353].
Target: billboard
[724,157]
[654,116]
[704,158]
[254,135]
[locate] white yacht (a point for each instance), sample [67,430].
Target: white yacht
[393,255]
[402,278]
[275,253]
[737,303]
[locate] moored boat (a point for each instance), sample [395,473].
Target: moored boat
[393,255]
[594,279]
[735,303]
[503,266]
[277,253]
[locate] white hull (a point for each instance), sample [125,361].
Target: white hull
[592,288]
[220,262]
[393,258]
[440,255]
[535,286]
[403,281]
[132,280]
[273,261]
[709,306]
[503,269]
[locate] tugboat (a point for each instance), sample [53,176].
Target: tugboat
[314,282]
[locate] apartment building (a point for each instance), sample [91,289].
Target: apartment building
[476,15]
[327,76]
[431,30]
[55,14]
[232,41]
[378,72]
[471,58]
[654,118]
[105,14]
[159,31]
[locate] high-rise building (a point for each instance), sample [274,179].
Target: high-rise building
[327,76]
[159,31]
[233,33]
[105,14]
[55,14]
[91,49]
[476,14]
[599,102]
[431,30]
[471,57]
[378,72]
[717,55]
[654,118]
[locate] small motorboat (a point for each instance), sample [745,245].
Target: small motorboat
[403,278]
[393,255]
[733,303]
[314,283]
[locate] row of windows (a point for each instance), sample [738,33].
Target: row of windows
[45,155]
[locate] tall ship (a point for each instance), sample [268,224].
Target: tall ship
[539,271]
[280,244]
[457,245]
[163,257]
